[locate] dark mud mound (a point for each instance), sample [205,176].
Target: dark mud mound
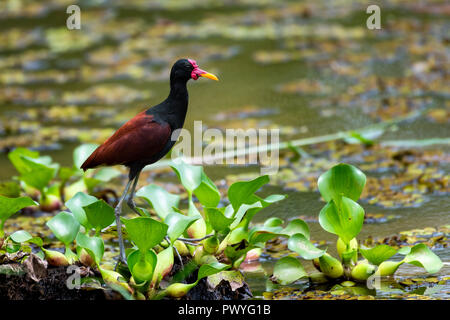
[227,285]
[52,287]
[35,280]
[223,291]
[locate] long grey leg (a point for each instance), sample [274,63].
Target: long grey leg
[118,211]
[130,201]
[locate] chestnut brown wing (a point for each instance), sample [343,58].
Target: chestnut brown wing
[138,139]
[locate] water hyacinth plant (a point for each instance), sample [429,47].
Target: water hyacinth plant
[50,183]
[8,207]
[341,187]
[212,238]
[35,175]
[210,241]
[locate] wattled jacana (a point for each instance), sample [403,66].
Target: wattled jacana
[147,137]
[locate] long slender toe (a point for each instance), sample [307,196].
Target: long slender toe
[132,205]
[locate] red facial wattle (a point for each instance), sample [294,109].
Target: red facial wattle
[197,72]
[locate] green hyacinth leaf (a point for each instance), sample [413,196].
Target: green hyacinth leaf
[10,189]
[263,234]
[35,171]
[422,256]
[9,206]
[300,244]
[210,269]
[73,188]
[65,173]
[142,265]
[296,226]
[164,264]
[404,250]
[378,254]
[242,192]
[161,200]
[341,180]
[64,226]
[346,222]
[94,246]
[189,175]
[101,176]
[115,281]
[207,192]
[145,232]
[23,236]
[99,214]
[273,222]
[178,290]
[237,235]
[288,270]
[246,213]
[178,224]
[272,199]
[39,173]
[217,219]
[76,204]
[15,157]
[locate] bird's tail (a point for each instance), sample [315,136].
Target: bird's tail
[90,162]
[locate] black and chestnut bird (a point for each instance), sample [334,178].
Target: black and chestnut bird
[147,137]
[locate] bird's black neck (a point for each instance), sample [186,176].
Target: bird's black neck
[175,106]
[178,92]
[173,110]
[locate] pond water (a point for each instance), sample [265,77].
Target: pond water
[310,69]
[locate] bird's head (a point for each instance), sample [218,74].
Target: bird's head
[188,69]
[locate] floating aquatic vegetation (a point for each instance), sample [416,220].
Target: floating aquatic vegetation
[305,86]
[269,57]
[18,39]
[17,95]
[105,94]
[63,39]
[432,237]
[50,138]
[439,115]
[31,118]
[422,291]
[293,294]
[397,177]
